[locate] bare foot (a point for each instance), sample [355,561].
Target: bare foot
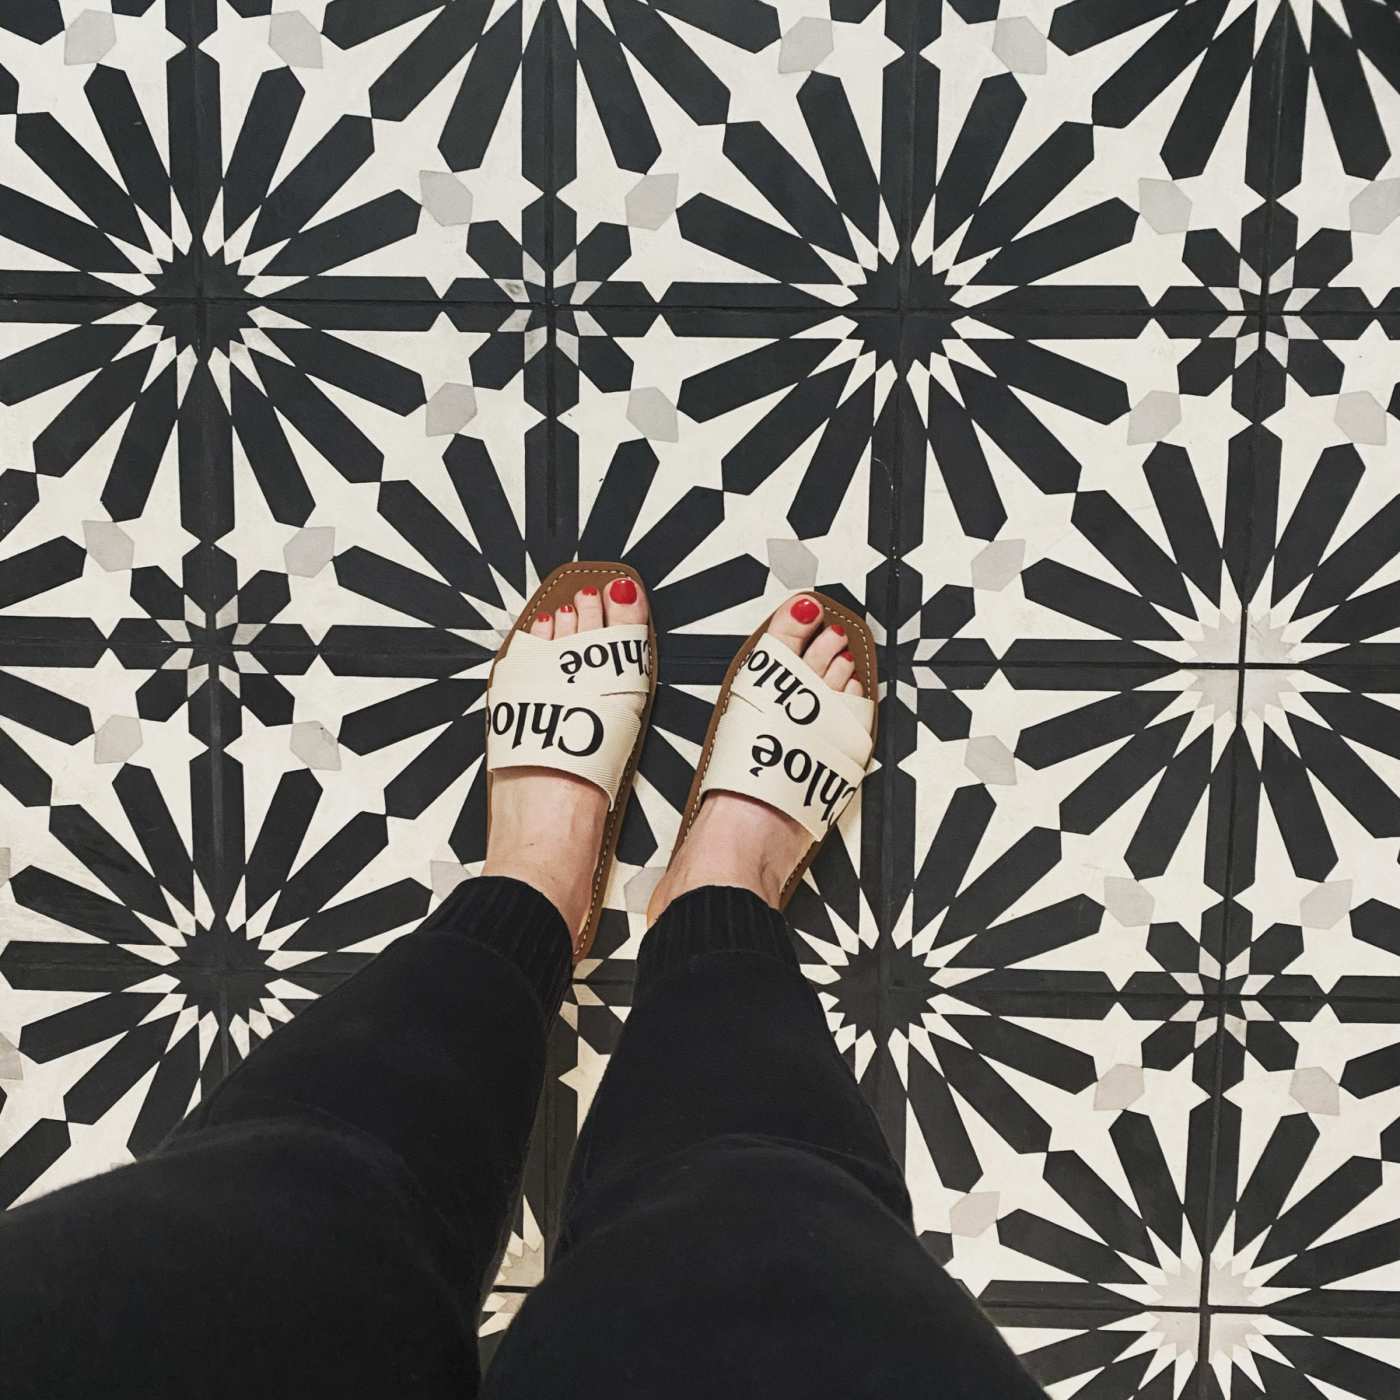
[738,840]
[546,827]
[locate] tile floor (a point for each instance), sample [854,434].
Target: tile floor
[1064,338]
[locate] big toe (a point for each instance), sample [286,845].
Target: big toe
[624,601]
[797,621]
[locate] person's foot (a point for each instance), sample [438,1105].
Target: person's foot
[741,841]
[546,826]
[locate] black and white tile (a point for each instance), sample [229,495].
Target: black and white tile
[1087,155]
[1066,828]
[1307,1156]
[1335,237]
[1059,336]
[115,998]
[729,421]
[739,155]
[1071,486]
[1314,877]
[1323,523]
[1254,1354]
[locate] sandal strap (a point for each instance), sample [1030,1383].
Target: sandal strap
[604,661]
[789,740]
[570,704]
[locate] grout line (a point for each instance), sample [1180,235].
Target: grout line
[1115,994]
[816,308]
[904,227]
[1261,319]
[981,311]
[1321,1313]
[197,119]
[420,652]
[1251,543]
[886,915]
[988,309]
[1217,1097]
[214,685]
[1208,1246]
[1126,1308]
[225,1036]
[1167,664]
[551,418]
[551,320]
[272,299]
[1077,663]
[984,310]
[215,749]
[620,972]
[551,189]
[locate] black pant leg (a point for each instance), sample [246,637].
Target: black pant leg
[326,1221]
[734,1222]
[726,1036]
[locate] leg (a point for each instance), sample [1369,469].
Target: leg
[726,1038]
[734,1223]
[326,1222]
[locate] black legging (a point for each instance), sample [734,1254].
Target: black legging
[328,1220]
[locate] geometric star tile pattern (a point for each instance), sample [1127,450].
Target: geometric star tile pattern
[1061,338]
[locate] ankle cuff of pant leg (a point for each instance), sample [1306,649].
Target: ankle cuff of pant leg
[515,920]
[714,919]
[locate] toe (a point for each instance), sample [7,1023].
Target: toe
[796,622]
[854,687]
[588,603]
[565,621]
[624,601]
[542,626]
[841,669]
[825,647]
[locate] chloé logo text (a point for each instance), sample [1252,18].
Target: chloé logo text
[799,702]
[822,786]
[574,729]
[622,658]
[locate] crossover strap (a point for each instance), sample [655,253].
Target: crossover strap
[571,703]
[789,740]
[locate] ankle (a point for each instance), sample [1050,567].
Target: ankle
[731,844]
[557,860]
[562,893]
[682,880]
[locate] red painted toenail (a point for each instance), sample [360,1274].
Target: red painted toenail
[805,611]
[623,591]
[543,617]
[846,656]
[566,607]
[838,629]
[589,592]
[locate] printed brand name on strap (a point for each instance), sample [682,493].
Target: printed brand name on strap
[626,658]
[824,787]
[576,730]
[798,701]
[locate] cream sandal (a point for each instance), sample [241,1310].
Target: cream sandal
[780,734]
[576,704]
